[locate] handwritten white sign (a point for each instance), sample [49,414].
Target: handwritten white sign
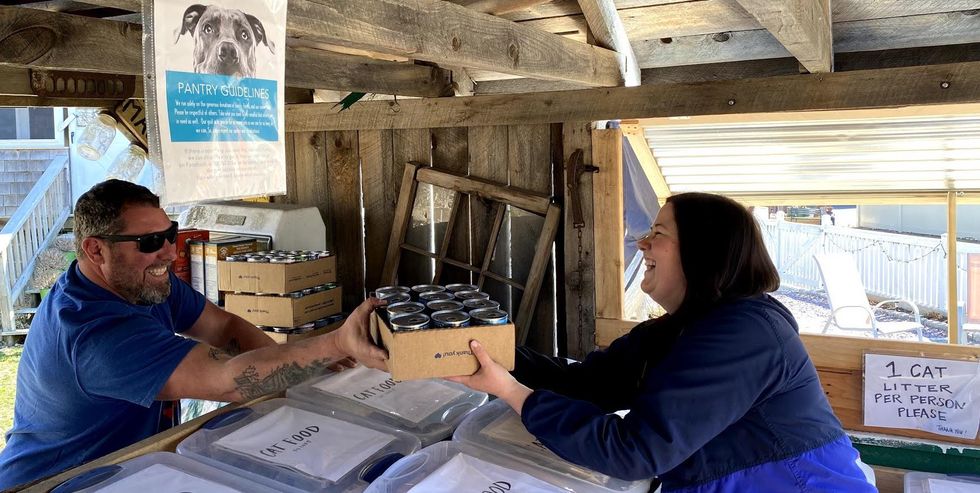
[935,395]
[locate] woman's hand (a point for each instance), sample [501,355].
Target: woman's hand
[494,379]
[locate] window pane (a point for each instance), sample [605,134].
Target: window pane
[42,123]
[8,124]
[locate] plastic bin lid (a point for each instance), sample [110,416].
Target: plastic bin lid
[159,471]
[497,427]
[294,446]
[485,470]
[930,482]
[429,409]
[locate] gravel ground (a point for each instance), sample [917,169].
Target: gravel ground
[811,310]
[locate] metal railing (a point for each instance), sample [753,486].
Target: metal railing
[891,265]
[35,223]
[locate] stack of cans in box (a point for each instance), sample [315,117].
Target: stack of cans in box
[291,257]
[429,306]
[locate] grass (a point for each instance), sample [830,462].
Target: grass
[9,357]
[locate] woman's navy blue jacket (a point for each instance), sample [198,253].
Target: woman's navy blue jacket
[732,405]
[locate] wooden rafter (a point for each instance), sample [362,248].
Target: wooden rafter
[500,7]
[608,30]
[52,41]
[935,84]
[801,26]
[447,34]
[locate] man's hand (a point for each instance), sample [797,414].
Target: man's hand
[494,379]
[354,337]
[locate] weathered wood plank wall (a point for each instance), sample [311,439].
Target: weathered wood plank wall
[341,171]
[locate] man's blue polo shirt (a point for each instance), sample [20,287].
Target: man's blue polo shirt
[92,367]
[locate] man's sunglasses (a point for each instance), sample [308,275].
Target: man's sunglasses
[148,243]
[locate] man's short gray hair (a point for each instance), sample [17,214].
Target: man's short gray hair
[99,210]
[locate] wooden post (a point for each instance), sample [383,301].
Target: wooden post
[579,245]
[952,307]
[607,196]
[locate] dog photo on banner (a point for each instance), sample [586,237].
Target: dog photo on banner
[214,83]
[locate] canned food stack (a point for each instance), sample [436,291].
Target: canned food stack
[427,329]
[430,306]
[287,292]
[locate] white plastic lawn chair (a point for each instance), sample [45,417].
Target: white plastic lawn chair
[849,305]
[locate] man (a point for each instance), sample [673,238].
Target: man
[102,363]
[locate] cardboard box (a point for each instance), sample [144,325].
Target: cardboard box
[284,338]
[434,353]
[283,311]
[252,277]
[216,250]
[182,264]
[195,250]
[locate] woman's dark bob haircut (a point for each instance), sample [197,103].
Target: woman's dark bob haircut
[722,252]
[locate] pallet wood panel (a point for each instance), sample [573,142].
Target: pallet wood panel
[529,167]
[579,248]
[344,214]
[413,145]
[311,174]
[450,152]
[488,147]
[380,196]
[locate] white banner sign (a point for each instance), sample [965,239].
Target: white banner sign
[934,395]
[317,445]
[414,400]
[159,478]
[217,96]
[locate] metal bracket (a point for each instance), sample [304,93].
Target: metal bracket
[574,169]
[81,85]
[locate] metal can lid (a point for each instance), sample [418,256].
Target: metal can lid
[472,295]
[489,315]
[294,294]
[410,321]
[397,298]
[435,296]
[393,289]
[427,288]
[308,291]
[234,258]
[280,260]
[405,307]
[443,305]
[476,303]
[461,287]
[450,317]
[258,259]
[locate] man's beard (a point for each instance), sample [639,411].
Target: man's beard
[138,292]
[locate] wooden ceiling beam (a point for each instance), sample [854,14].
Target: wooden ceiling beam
[51,41]
[801,26]
[950,28]
[500,7]
[448,34]
[934,84]
[608,30]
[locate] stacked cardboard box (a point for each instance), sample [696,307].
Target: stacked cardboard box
[281,295]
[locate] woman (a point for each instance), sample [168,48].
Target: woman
[721,393]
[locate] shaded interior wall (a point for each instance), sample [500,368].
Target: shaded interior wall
[345,173]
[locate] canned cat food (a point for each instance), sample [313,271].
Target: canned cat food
[472,295]
[427,288]
[445,319]
[435,296]
[409,322]
[261,260]
[477,303]
[444,305]
[454,288]
[397,298]
[488,316]
[404,308]
[386,291]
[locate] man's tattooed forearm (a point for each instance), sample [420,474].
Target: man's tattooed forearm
[251,385]
[228,351]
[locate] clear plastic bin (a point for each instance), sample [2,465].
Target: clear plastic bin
[496,427]
[429,409]
[931,482]
[405,474]
[320,462]
[143,473]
